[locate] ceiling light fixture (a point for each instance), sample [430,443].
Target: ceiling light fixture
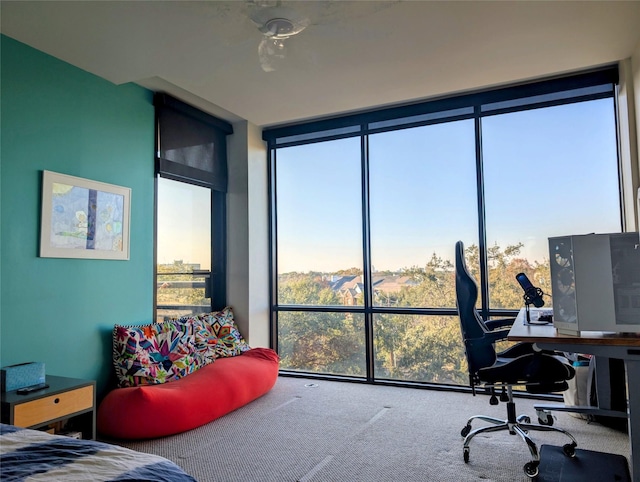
[277,24]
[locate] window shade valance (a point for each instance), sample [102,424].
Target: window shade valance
[592,84]
[192,144]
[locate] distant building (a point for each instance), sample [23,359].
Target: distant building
[350,288]
[184,267]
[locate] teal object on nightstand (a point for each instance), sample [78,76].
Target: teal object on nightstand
[22,375]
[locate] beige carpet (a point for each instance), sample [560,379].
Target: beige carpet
[314,430]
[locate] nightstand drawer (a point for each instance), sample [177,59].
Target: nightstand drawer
[55,406]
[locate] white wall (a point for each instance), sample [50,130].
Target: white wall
[248,233]
[635,69]
[627,138]
[259,313]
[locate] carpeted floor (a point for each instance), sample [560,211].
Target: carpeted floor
[316,431]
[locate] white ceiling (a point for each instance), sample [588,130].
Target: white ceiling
[355,55]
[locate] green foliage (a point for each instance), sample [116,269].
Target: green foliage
[412,347]
[321,342]
[306,290]
[435,285]
[419,348]
[349,271]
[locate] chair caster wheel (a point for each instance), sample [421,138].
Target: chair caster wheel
[531,469]
[547,421]
[569,449]
[465,455]
[465,431]
[545,418]
[526,419]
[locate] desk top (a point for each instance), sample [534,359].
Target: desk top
[548,334]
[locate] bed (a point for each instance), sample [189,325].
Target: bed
[31,455]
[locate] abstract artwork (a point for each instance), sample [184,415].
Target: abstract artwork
[83,218]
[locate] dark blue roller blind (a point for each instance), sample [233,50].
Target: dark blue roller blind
[192,144]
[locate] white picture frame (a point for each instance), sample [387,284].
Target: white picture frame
[83,218]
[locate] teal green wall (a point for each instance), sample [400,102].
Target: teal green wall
[59,118]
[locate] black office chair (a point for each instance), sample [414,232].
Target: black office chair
[519,365]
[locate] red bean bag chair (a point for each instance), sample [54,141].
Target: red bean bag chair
[152,411]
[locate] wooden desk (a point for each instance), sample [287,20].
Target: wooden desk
[624,346]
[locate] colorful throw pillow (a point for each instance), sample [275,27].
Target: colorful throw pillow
[204,337]
[229,340]
[155,353]
[216,334]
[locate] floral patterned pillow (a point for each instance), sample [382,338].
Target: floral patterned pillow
[229,340]
[205,339]
[216,334]
[155,353]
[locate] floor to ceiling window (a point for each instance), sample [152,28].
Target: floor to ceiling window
[366,210]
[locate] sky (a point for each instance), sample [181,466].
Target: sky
[548,172]
[184,223]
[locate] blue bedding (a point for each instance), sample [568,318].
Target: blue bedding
[31,455]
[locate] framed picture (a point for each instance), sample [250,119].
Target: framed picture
[83,218]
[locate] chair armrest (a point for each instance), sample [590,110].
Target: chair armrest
[489,338]
[493,324]
[497,335]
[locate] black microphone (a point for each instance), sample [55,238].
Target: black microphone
[532,295]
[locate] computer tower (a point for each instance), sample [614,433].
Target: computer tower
[595,282]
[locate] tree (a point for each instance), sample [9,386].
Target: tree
[318,341]
[350,271]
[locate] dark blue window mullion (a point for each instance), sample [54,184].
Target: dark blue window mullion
[482,228]
[273,258]
[623,206]
[217,278]
[366,258]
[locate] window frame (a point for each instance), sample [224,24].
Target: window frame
[589,85]
[215,180]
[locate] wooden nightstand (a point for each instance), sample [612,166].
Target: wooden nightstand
[67,400]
